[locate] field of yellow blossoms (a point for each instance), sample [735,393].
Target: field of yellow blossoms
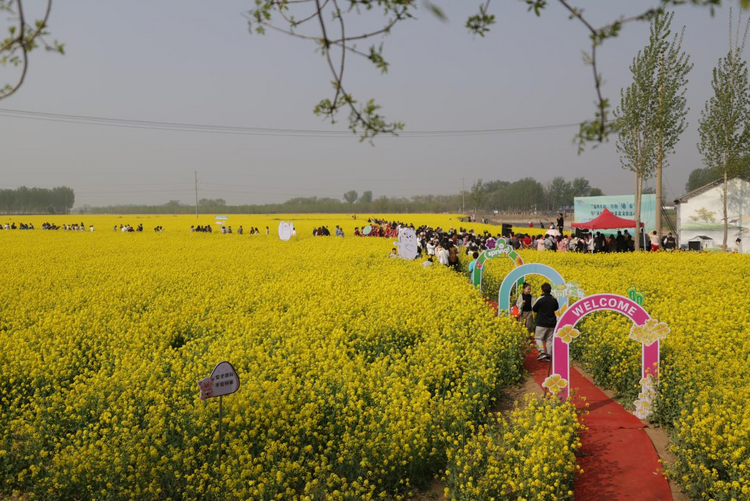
[704,398]
[361,376]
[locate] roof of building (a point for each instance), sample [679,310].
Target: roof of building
[687,196]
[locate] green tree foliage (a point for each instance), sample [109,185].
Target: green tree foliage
[366,197]
[477,195]
[524,195]
[651,115]
[351,196]
[700,177]
[25,200]
[211,202]
[725,121]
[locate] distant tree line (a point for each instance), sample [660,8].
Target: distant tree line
[528,194]
[24,200]
[701,177]
[524,195]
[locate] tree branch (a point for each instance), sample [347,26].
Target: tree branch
[25,41]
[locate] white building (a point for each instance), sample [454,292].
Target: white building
[701,213]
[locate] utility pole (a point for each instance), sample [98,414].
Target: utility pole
[659,154]
[196,194]
[463,196]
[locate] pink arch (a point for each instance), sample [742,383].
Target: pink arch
[601,302]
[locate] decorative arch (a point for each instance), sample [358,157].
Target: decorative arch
[646,330]
[518,274]
[502,248]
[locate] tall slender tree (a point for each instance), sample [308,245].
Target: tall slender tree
[725,121]
[651,115]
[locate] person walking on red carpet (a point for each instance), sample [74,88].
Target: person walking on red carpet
[545,308]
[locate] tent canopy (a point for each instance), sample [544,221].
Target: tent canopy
[606,221]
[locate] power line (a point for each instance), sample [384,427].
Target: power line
[259,131]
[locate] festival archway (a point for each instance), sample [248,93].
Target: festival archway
[517,276]
[500,248]
[646,330]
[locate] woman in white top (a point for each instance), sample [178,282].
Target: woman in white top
[654,242]
[540,244]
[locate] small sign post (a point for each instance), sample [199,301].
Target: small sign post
[222,381]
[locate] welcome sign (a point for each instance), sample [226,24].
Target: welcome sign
[645,330]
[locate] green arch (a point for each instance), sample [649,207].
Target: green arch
[518,274]
[503,248]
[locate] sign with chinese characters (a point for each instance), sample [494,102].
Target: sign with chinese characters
[286,230]
[645,330]
[588,208]
[568,290]
[222,381]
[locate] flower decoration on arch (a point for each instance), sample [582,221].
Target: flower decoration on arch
[567,333]
[649,332]
[555,383]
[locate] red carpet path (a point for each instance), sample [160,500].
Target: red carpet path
[618,459]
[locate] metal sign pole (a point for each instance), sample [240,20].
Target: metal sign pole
[221,408]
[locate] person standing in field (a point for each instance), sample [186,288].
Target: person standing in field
[524,303]
[442,253]
[453,256]
[670,243]
[560,222]
[540,243]
[545,308]
[654,241]
[473,263]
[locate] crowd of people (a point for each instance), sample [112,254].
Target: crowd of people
[19,226]
[66,227]
[323,231]
[227,230]
[598,242]
[442,245]
[46,226]
[127,228]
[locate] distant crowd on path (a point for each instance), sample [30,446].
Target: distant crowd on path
[226,230]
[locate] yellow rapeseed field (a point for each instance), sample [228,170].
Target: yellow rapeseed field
[360,375]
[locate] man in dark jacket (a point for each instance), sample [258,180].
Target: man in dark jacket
[545,309]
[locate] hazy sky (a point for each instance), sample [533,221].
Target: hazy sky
[191,61]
